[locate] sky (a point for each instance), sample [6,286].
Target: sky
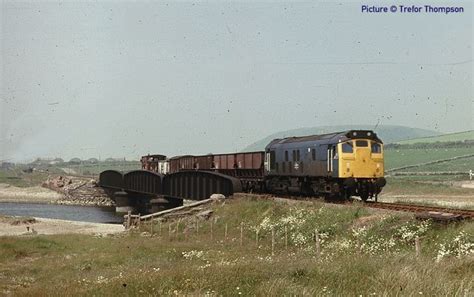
[123,79]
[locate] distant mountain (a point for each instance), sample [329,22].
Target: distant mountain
[451,137]
[387,133]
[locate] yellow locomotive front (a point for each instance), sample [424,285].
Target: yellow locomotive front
[361,166]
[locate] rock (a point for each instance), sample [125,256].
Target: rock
[78,191]
[22,221]
[217,196]
[205,214]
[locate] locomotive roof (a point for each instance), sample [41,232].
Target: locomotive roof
[329,137]
[158,156]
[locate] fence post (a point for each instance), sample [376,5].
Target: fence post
[241,233]
[197,226]
[318,244]
[286,238]
[417,246]
[225,232]
[169,230]
[159,227]
[177,229]
[212,230]
[129,218]
[256,238]
[139,220]
[151,226]
[273,241]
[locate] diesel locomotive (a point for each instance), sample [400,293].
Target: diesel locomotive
[342,164]
[335,165]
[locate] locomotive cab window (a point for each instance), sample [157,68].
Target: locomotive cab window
[376,148]
[347,147]
[362,143]
[286,156]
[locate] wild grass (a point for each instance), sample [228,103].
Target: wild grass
[362,253]
[417,186]
[395,158]
[18,178]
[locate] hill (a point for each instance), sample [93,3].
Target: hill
[451,137]
[388,133]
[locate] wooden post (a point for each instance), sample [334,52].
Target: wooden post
[417,246]
[159,227]
[169,230]
[139,220]
[151,226]
[241,233]
[197,226]
[212,230]
[225,232]
[286,238]
[273,241]
[256,238]
[177,229]
[318,243]
[129,218]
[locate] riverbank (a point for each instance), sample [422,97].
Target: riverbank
[64,190]
[78,191]
[35,194]
[31,226]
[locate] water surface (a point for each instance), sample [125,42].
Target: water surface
[92,214]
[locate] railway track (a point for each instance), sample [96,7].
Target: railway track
[423,211]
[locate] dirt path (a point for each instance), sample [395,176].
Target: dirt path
[15,226]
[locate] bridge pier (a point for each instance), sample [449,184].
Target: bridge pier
[164,202]
[123,202]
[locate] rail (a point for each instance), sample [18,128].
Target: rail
[460,213]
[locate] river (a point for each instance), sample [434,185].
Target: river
[92,214]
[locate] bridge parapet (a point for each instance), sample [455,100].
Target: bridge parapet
[199,185]
[111,179]
[143,181]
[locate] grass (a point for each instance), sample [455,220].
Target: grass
[407,185]
[18,178]
[395,158]
[363,252]
[460,136]
[463,165]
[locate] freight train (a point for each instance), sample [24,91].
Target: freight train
[335,165]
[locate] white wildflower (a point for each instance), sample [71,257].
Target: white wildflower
[193,254]
[461,245]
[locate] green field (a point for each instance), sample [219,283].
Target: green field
[463,165]
[362,253]
[20,179]
[452,137]
[395,158]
